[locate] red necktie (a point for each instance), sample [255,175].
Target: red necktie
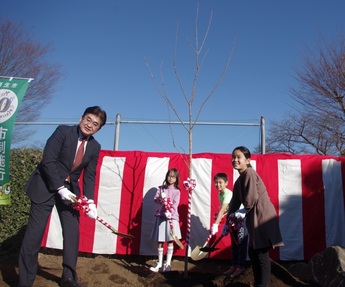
[79,155]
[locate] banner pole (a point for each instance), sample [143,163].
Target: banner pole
[17,78]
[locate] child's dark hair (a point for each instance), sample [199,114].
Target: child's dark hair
[245,151]
[176,174]
[221,175]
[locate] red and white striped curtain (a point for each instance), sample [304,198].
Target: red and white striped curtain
[307,191]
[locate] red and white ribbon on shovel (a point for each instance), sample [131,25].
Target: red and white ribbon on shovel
[189,185]
[168,207]
[81,204]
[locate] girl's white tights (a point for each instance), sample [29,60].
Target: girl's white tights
[169,255]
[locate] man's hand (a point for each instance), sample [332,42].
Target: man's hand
[92,213]
[214,229]
[66,194]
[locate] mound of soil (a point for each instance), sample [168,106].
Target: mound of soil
[133,271]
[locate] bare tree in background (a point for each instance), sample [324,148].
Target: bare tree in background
[317,123]
[22,56]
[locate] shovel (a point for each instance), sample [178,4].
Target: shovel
[200,252]
[197,254]
[81,204]
[113,229]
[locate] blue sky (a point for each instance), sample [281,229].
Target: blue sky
[102,46]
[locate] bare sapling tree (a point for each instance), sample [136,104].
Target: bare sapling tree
[22,56]
[200,57]
[317,122]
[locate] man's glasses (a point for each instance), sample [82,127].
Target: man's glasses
[90,122]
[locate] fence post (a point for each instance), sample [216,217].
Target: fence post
[117,132]
[263,136]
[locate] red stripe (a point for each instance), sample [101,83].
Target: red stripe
[313,205]
[131,201]
[220,163]
[87,225]
[267,168]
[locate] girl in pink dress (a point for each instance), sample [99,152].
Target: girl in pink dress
[168,192]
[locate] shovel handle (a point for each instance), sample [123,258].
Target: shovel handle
[83,207]
[217,241]
[208,239]
[106,224]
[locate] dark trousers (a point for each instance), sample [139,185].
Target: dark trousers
[38,218]
[261,266]
[239,244]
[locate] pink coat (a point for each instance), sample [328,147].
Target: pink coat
[174,195]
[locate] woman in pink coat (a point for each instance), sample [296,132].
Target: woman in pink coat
[261,217]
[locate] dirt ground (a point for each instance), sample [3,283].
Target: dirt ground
[107,271]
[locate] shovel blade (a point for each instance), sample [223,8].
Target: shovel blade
[208,249]
[178,242]
[197,254]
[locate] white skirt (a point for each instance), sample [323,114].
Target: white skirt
[162,232]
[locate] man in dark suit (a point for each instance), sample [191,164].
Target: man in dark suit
[55,182]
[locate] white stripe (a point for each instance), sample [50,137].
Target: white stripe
[290,209]
[201,202]
[334,202]
[54,237]
[108,207]
[156,169]
[253,164]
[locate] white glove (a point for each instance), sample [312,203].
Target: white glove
[66,194]
[225,230]
[92,213]
[163,195]
[240,214]
[214,229]
[167,214]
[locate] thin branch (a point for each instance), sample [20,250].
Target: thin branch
[163,92]
[175,67]
[218,82]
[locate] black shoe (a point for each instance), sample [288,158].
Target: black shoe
[70,282]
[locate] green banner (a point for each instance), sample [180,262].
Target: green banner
[12,92]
